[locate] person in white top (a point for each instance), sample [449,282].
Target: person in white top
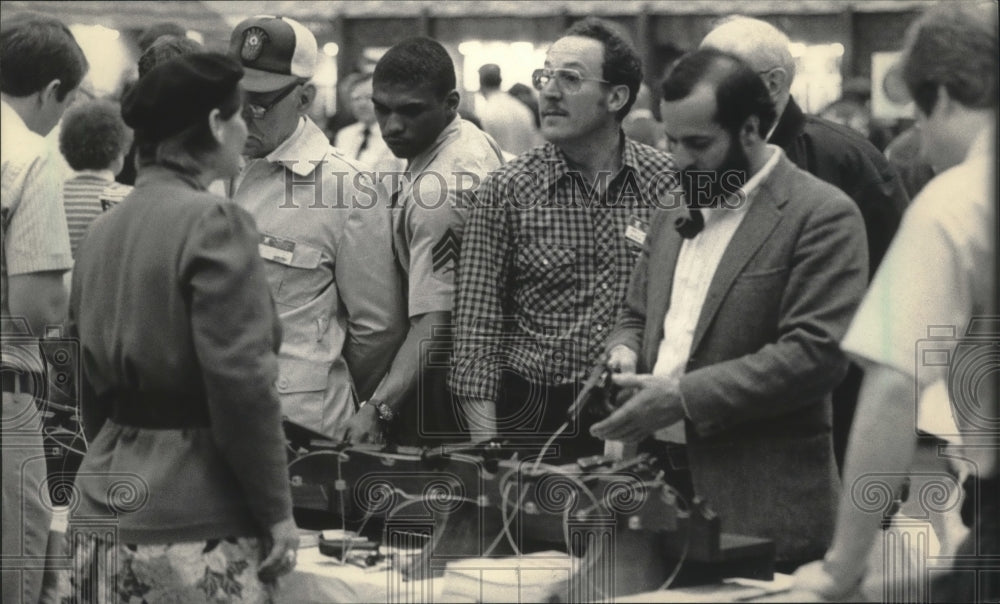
[931,315]
[363,139]
[42,67]
[504,118]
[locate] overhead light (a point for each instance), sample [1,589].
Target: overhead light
[107,32]
[95,32]
[471,47]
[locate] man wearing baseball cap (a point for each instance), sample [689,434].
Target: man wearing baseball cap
[325,233]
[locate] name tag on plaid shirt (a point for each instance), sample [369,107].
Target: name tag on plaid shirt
[636,229]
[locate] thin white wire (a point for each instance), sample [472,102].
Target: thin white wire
[504,530]
[548,444]
[507,521]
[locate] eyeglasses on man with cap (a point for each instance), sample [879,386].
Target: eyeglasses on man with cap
[568,80]
[257,110]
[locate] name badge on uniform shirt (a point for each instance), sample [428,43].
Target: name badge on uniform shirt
[276,249]
[636,230]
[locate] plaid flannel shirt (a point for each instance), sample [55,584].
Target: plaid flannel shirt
[545,264]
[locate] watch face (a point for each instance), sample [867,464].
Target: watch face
[385,412]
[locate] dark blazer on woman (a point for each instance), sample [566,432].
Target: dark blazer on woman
[178,336]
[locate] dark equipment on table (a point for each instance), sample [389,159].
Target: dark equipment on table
[472,500]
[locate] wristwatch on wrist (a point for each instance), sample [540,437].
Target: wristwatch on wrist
[384,412]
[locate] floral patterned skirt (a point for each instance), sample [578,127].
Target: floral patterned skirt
[218,570]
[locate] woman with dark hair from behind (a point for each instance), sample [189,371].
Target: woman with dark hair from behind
[178,336]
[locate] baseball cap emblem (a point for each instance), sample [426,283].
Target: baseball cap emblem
[253,43]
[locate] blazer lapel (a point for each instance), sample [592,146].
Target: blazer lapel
[762,217]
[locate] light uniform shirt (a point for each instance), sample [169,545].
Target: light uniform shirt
[376,155]
[936,277]
[697,262]
[325,237]
[431,208]
[508,121]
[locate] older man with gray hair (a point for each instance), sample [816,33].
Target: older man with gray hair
[827,150]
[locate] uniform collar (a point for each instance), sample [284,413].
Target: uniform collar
[421,161]
[302,151]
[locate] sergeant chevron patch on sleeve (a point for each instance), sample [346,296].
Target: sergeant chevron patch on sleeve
[445,252]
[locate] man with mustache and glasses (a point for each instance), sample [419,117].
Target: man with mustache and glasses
[734,314]
[549,248]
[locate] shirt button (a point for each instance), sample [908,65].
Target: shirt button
[599,327]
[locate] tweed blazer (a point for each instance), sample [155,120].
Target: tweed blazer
[765,355]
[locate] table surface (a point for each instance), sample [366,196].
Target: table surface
[318,578]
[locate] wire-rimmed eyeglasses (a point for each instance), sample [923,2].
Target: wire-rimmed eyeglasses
[568,80]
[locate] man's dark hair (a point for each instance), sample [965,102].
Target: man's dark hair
[954,44]
[489,76]
[156,31]
[739,91]
[36,50]
[93,135]
[165,48]
[417,62]
[622,65]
